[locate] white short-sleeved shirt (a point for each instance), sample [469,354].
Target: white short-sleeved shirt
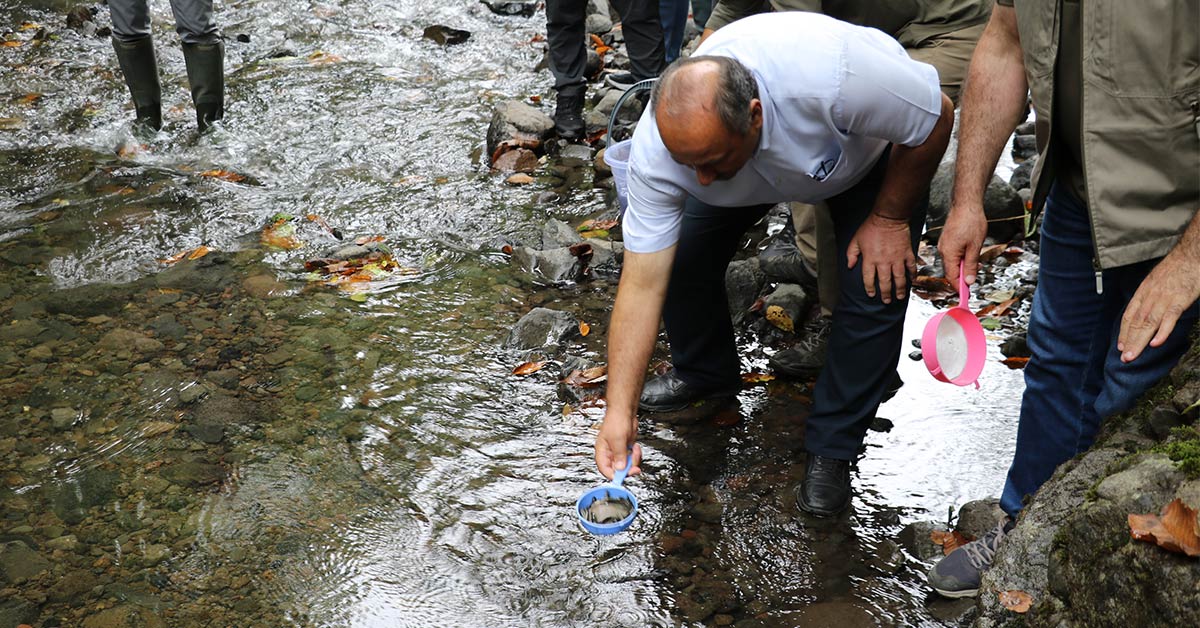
[834,96]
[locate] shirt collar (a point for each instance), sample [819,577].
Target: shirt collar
[768,114]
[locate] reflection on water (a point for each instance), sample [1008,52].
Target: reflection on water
[226,446]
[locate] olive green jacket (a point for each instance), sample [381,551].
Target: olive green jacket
[1141,118]
[911,22]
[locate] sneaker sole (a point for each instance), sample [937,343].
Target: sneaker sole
[957,594]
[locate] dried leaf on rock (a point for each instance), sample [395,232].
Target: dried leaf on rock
[756,378]
[190,254]
[529,368]
[594,233]
[224,175]
[989,253]
[1016,601]
[588,378]
[779,318]
[280,234]
[932,288]
[594,225]
[996,309]
[1015,362]
[1175,529]
[950,540]
[519,179]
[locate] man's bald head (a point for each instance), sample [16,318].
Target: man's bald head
[706,85]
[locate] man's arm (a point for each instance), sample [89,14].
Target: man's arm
[1169,289]
[883,241]
[632,332]
[993,102]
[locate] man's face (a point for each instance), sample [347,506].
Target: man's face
[705,145]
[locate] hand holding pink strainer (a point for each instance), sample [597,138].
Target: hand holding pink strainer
[953,344]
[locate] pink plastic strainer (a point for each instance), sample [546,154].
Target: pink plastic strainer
[953,344]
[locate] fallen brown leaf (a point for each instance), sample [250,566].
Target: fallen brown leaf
[749,379]
[1175,529]
[779,318]
[594,225]
[584,328]
[950,540]
[224,175]
[1016,601]
[588,378]
[529,368]
[989,253]
[932,288]
[519,179]
[1015,362]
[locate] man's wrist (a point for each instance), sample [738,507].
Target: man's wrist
[891,216]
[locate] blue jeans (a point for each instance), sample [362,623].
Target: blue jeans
[1075,378]
[674,15]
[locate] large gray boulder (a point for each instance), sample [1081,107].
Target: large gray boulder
[519,123]
[542,327]
[1001,204]
[744,281]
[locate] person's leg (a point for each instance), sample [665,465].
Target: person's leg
[864,343]
[643,37]
[565,26]
[1065,327]
[134,47]
[673,14]
[204,56]
[949,54]
[701,9]
[696,311]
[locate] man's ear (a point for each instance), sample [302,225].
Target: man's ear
[756,114]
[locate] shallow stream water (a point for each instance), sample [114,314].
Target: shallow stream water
[223,442]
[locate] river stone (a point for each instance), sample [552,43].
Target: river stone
[88,300]
[18,562]
[582,152]
[515,119]
[1145,487]
[445,35]
[90,487]
[977,518]
[194,474]
[1022,561]
[1024,147]
[125,616]
[916,539]
[1022,175]
[123,339]
[744,279]
[210,433]
[223,409]
[517,160]
[542,327]
[603,170]
[598,24]
[20,330]
[606,254]
[263,286]
[165,326]
[515,7]
[207,275]
[20,255]
[1001,204]
[16,611]
[1016,346]
[74,585]
[558,234]
[557,265]
[794,300]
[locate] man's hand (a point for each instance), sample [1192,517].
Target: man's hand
[616,436]
[1169,289]
[886,250]
[960,242]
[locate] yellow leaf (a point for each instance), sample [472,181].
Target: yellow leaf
[779,318]
[198,252]
[15,43]
[224,175]
[757,378]
[519,179]
[528,368]
[584,328]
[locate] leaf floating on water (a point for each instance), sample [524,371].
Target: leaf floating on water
[519,179]
[528,368]
[189,254]
[1175,529]
[584,328]
[950,540]
[224,175]
[1016,601]
[757,378]
[13,43]
[990,323]
[588,378]
[779,318]
[320,57]
[280,234]
[1015,363]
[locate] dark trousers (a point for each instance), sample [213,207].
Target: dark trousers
[565,31]
[864,343]
[1075,378]
[193,20]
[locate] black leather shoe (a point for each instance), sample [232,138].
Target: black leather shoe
[568,112]
[668,393]
[825,490]
[807,357]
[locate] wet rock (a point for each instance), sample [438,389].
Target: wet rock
[19,562]
[595,122]
[1026,128]
[72,586]
[506,7]
[603,170]
[794,300]
[263,286]
[592,64]
[916,540]
[209,433]
[1024,147]
[1022,175]
[606,255]
[977,518]
[582,152]
[20,255]
[90,487]
[542,327]
[119,339]
[1163,420]
[744,280]
[16,611]
[557,265]
[126,616]
[165,326]
[193,474]
[88,300]
[77,16]
[881,425]
[1001,204]
[225,378]
[1144,487]
[558,234]
[222,409]
[207,275]
[515,120]
[1016,346]
[517,160]
[445,35]
[598,24]
[63,418]
[20,330]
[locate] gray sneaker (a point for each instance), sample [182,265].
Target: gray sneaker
[958,574]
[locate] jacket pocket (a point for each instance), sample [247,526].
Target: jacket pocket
[1147,48]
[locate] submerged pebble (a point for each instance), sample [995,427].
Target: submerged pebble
[608,510]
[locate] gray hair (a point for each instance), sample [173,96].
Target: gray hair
[736,87]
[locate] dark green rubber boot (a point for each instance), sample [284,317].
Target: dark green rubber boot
[141,75]
[206,76]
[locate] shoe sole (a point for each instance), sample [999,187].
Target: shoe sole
[821,513]
[954,595]
[683,405]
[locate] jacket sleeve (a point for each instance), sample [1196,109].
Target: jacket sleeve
[726,11]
